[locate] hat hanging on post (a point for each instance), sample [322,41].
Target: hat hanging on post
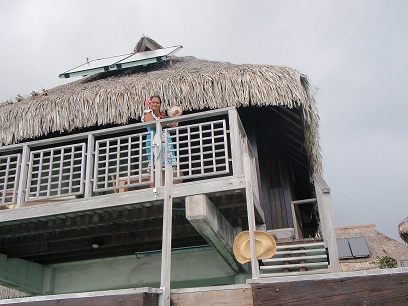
[265,246]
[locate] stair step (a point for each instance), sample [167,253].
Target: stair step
[306,252]
[293,257]
[298,258]
[294,273]
[313,245]
[296,266]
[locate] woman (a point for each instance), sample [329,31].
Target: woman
[152,113]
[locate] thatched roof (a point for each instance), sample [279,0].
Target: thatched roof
[403,229]
[376,241]
[116,97]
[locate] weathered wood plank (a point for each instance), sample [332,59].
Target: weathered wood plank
[225,297]
[374,289]
[136,299]
[278,206]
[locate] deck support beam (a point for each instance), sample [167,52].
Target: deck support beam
[214,228]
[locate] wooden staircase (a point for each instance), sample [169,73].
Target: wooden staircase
[297,257]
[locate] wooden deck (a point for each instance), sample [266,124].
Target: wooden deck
[69,191]
[374,287]
[57,232]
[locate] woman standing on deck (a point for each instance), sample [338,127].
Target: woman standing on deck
[153,112]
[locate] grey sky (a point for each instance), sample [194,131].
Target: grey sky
[355,52]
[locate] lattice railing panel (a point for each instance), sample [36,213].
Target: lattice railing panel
[123,161]
[199,149]
[55,172]
[9,176]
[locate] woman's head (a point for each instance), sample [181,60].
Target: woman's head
[154,103]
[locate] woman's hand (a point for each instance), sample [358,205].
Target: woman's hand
[173,124]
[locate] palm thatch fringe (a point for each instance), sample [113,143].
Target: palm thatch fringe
[187,81]
[8,293]
[403,229]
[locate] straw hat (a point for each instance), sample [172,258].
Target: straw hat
[265,246]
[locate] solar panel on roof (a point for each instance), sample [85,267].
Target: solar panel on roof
[358,246]
[343,248]
[121,61]
[352,247]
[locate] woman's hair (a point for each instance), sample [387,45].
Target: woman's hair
[156,96]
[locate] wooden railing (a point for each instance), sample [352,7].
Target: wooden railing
[9,177]
[121,158]
[327,221]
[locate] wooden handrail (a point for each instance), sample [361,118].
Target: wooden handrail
[327,220]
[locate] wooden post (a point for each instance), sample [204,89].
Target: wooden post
[164,299]
[157,153]
[22,184]
[294,217]
[235,137]
[326,221]
[251,213]
[89,166]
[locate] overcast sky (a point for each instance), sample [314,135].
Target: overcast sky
[354,52]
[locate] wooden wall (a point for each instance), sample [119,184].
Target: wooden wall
[346,289]
[240,296]
[265,132]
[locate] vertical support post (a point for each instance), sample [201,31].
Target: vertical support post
[295,222]
[251,213]
[326,221]
[157,142]
[235,137]
[89,165]
[164,298]
[22,184]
